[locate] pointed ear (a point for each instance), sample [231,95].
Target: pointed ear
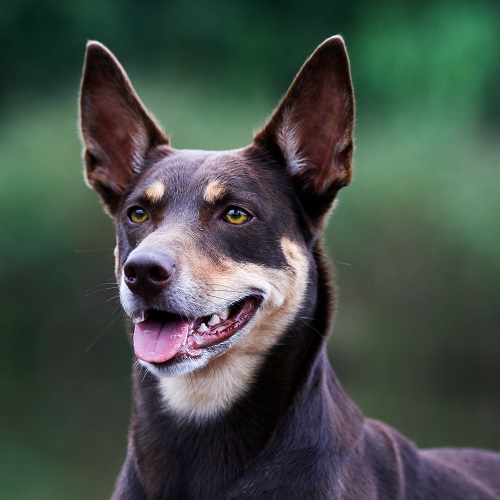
[312,128]
[117,131]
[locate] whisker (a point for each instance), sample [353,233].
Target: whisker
[110,282]
[312,327]
[102,332]
[103,289]
[323,254]
[116,309]
[296,330]
[90,250]
[114,297]
[216,297]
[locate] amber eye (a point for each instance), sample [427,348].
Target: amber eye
[236,216]
[137,215]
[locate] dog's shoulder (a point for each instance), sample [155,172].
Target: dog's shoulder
[398,467]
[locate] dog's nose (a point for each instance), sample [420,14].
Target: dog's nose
[147,273]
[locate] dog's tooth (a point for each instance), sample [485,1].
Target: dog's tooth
[202,328]
[139,318]
[223,314]
[214,320]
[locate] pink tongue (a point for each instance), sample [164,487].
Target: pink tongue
[156,341]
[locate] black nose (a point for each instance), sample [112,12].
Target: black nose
[148,272]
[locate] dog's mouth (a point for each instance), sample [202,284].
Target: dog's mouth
[162,336]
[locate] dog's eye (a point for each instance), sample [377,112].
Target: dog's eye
[137,215]
[236,216]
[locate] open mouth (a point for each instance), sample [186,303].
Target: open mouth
[162,336]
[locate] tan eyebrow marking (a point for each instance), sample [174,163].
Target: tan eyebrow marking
[154,192]
[214,191]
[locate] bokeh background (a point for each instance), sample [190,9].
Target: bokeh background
[415,239]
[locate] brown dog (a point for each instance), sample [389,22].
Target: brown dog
[220,268]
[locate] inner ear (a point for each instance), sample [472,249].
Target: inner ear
[313,127]
[117,131]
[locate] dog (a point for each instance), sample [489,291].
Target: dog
[229,300]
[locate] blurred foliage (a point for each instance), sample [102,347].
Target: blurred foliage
[415,239]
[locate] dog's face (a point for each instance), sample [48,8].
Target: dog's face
[208,249]
[213,254]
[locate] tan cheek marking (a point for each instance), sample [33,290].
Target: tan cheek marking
[155,192]
[214,191]
[216,387]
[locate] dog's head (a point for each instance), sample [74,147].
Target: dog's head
[214,249]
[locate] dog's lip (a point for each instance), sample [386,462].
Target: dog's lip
[160,336]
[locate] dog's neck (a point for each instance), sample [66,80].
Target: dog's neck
[196,460]
[201,455]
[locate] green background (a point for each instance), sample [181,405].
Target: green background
[415,238]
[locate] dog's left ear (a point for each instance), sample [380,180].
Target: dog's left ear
[313,128]
[117,131]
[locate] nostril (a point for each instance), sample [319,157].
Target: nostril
[130,272]
[159,273]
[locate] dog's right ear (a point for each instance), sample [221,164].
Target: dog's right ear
[117,131]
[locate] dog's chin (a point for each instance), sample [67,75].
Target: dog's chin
[169,345]
[184,364]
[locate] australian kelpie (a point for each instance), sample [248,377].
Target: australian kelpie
[221,273]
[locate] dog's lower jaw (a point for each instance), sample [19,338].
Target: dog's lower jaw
[188,363]
[208,386]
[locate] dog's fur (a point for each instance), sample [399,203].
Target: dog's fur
[259,413]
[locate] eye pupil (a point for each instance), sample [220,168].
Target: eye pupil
[236,216]
[138,215]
